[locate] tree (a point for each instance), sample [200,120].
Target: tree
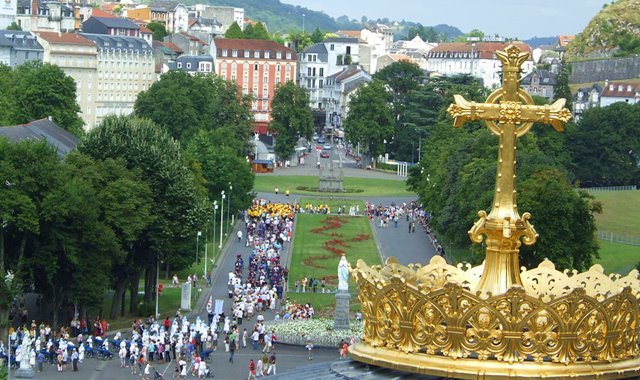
[561,89]
[370,120]
[7,105]
[291,118]
[220,166]
[299,40]
[317,36]
[179,208]
[184,104]
[259,32]
[605,146]
[42,90]
[426,34]
[234,31]
[14,26]
[158,29]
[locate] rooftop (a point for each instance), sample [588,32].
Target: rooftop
[43,129]
[64,38]
[620,90]
[482,50]
[248,44]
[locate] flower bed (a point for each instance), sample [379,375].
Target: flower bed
[320,330]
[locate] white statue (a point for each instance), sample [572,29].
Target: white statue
[343,274]
[24,351]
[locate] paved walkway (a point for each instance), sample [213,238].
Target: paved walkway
[408,248]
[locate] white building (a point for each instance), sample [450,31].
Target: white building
[225,15]
[476,59]
[46,16]
[338,91]
[125,67]
[76,56]
[322,60]
[614,92]
[375,41]
[173,14]
[8,11]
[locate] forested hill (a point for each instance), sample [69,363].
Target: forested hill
[283,18]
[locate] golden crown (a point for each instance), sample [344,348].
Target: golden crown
[556,317]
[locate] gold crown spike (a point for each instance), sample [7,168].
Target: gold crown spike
[498,320]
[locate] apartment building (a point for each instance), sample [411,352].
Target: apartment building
[77,57]
[477,59]
[125,67]
[224,15]
[257,66]
[46,16]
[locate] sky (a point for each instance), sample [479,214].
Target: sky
[509,18]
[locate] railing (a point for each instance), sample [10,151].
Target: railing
[609,188]
[619,238]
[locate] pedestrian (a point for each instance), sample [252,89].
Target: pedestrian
[183,367]
[132,362]
[252,370]
[244,338]
[239,234]
[267,343]
[323,283]
[74,359]
[232,349]
[276,190]
[309,348]
[272,364]
[40,359]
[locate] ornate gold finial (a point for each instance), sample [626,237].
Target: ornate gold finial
[497,320]
[509,113]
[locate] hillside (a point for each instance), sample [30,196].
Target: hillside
[280,17]
[616,24]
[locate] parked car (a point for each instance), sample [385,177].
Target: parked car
[321,140]
[327,147]
[324,155]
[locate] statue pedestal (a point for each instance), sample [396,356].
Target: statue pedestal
[25,372]
[341,321]
[185,299]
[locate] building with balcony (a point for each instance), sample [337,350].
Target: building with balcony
[224,15]
[46,16]
[125,67]
[257,66]
[173,15]
[338,90]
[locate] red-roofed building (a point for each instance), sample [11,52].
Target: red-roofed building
[564,40]
[614,92]
[257,66]
[97,12]
[476,59]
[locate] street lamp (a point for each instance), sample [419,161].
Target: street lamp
[197,245]
[221,215]
[303,23]
[229,203]
[213,235]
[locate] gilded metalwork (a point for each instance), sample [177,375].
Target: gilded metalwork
[498,320]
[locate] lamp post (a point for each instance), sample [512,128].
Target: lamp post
[229,204]
[221,215]
[157,281]
[213,235]
[197,245]
[303,23]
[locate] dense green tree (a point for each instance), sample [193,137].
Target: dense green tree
[428,34]
[257,32]
[317,36]
[370,120]
[178,210]
[605,146]
[561,90]
[234,31]
[158,29]
[291,118]
[6,95]
[14,26]
[220,166]
[299,40]
[41,90]
[185,104]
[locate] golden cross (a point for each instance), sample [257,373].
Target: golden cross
[509,112]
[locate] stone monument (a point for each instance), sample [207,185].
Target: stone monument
[185,299]
[341,321]
[25,371]
[330,179]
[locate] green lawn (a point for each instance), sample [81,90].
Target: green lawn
[311,258]
[618,258]
[620,210]
[369,186]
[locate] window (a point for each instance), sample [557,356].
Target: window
[265,105]
[321,71]
[320,83]
[332,47]
[188,65]
[277,67]
[179,65]
[224,52]
[255,66]
[278,55]
[314,71]
[246,53]
[256,54]
[254,105]
[348,49]
[288,55]
[234,53]
[266,54]
[309,71]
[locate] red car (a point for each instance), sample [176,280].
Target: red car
[324,155]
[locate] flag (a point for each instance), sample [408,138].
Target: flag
[210,305]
